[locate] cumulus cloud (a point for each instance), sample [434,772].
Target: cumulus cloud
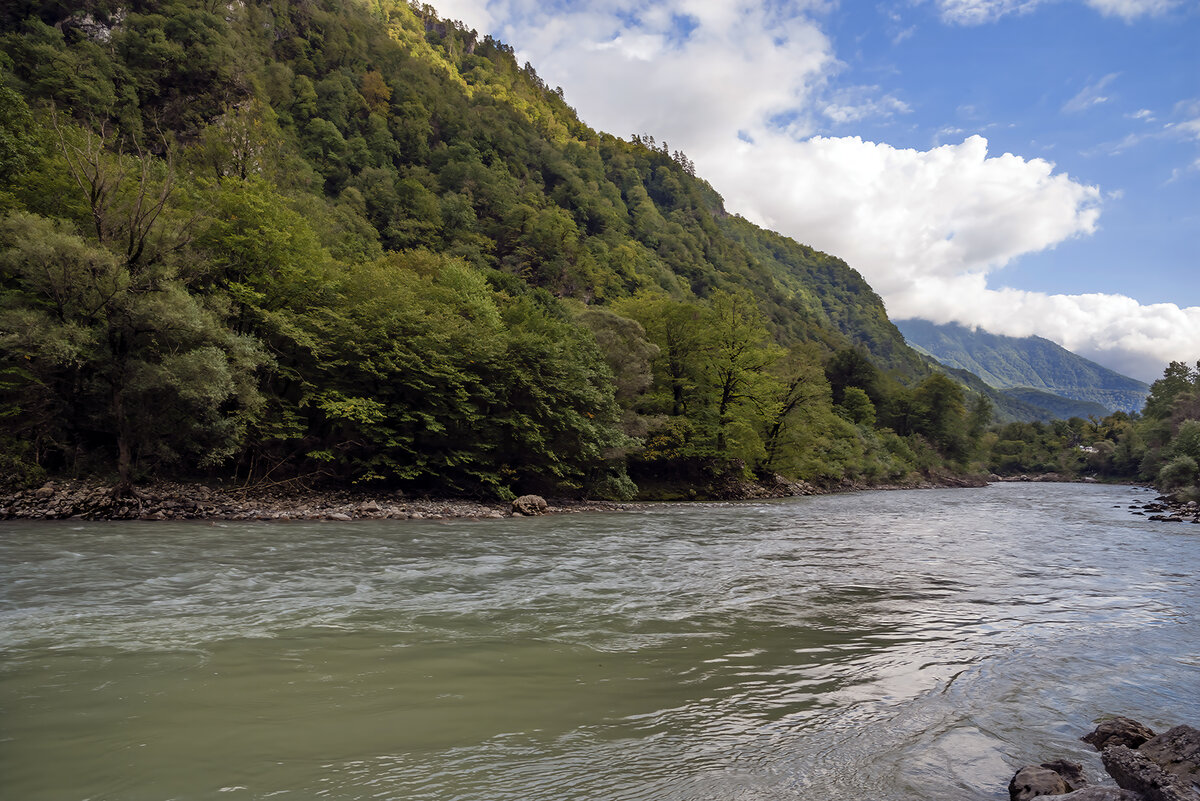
[899,214]
[745,88]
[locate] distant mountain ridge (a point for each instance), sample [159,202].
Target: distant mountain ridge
[1025,363]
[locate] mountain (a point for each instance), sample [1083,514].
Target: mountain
[1010,363]
[351,242]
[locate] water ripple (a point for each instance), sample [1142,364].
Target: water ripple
[883,645]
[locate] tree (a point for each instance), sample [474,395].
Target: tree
[737,354]
[131,358]
[1177,379]
[801,385]
[939,412]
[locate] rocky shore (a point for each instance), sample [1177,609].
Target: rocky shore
[1168,510]
[164,500]
[59,500]
[1145,767]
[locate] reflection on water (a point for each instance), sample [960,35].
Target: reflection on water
[882,645]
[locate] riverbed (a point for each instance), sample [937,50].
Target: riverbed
[881,645]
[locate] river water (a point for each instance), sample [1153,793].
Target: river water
[883,645]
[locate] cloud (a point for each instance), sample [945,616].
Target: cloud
[861,103]
[899,214]
[630,67]
[1129,10]
[1090,95]
[1115,330]
[1188,125]
[979,12]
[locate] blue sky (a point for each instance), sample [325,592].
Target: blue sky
[1030,166]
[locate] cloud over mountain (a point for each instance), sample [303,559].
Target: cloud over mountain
[744,89]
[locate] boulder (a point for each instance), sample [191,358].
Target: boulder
[1118,731]
[1072,772]
[530,505]
[1100,794]
[1135,771]
[1177,751]
[1032,781]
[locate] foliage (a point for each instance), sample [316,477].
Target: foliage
[357,243]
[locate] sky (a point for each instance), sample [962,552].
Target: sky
[1025,166]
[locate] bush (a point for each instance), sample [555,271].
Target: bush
[1181,471]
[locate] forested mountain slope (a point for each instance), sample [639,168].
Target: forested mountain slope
[352,242]
[1025,362]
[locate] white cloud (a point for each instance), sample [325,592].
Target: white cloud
[1090,95]
[861,103]
[977,12]
[743,87]
[900,214]
[1132,9]
[1115,330]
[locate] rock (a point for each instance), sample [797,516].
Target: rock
[1032,781]
[45,492]
[338,516]
[1072,772]
[1101,794]
[1135,771]
[1177,751]
[530,505]
[1118,731]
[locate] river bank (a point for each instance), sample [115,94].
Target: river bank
[164,500]
[91,500]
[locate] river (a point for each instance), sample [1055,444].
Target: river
[881,645]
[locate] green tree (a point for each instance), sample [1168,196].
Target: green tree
[738,353]
[128,355]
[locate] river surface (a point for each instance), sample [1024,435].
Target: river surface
[882,645]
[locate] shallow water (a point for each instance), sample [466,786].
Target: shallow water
[899,645]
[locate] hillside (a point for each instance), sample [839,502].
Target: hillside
[359,244]
[1026,363]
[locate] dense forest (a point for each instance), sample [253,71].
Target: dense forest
[353,243]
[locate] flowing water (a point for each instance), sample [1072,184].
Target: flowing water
[886,645]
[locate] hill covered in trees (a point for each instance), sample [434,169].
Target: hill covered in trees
[1161,445]
[1026,363]
[357,243]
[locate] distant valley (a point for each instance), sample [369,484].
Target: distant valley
[1032,370]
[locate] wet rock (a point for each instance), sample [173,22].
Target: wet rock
[1134,770]
[530,505]
[1177,751]
[1118,731]
[1100,794]
[1072,772]
[1032,781]
[338,516]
